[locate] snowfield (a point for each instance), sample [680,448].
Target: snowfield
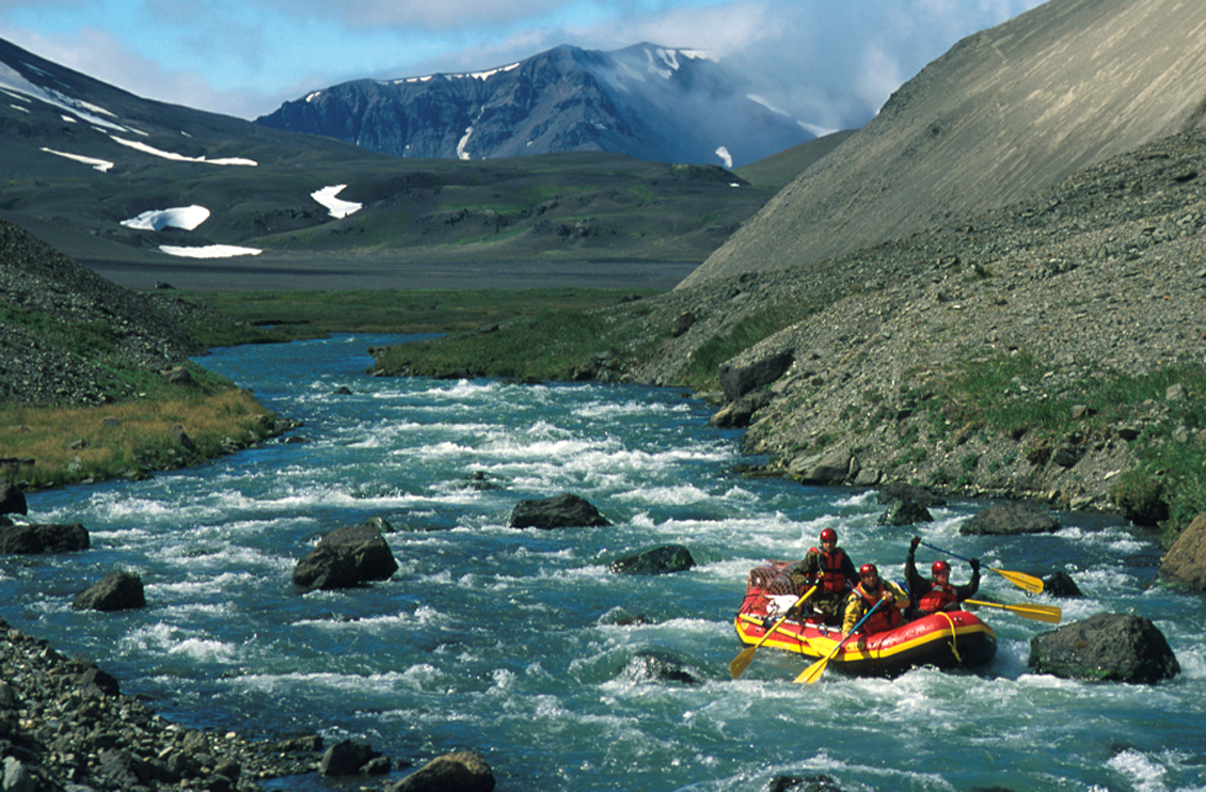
[186,217]
[209,251]
[337,207]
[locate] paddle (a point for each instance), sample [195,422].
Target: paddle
[1019,579]
[814,671]
[1046,613]
[743,660]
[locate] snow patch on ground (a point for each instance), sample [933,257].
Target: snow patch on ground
[337,207]
[171,155]
[210,251]
[99,164]
[186,217]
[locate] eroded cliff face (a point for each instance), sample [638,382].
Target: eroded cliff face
[1003,114]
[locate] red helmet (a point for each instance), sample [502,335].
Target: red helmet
[940,567]
[828,535]
[868,569]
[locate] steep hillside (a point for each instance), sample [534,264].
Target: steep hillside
[649,102]
[1004,113]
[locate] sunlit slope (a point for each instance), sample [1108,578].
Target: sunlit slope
[1004,113]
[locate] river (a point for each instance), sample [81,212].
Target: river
[514,643]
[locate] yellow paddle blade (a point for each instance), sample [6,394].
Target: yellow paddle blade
[1021,580]
[742,661]
[1046,613]
[811,674]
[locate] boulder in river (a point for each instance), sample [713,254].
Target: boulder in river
[116,591]
[658,561]
[1010,518]
[37,539]
[12,499]
[561,511]
[463,771]
[1108,647]
[347,557]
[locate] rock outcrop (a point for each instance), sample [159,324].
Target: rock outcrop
[1185,562]
[1108,647]
[1009,519]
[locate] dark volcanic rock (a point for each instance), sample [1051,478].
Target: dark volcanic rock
[1108,647]
[114,592]
[346,758]
[658,561]
[561,511]
[12,499]
[1061,584]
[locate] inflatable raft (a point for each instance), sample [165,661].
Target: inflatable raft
[955,639]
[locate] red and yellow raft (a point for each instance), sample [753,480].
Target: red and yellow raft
[956,639]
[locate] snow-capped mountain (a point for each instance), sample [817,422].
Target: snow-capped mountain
[650,102]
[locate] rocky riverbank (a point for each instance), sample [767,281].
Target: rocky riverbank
[65,725]
[1101,277]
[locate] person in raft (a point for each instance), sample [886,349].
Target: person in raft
[870,590]
[830,570]
[937,594]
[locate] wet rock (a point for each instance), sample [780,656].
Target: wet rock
[347,557]
[561,511]
[463,771]
[12,499]
[1185,561]
[658,561]
[905,512]
[1108,647]
[37,539]
[817,783]
[346,758]
[116,591]
[1061,584]
[893,491]
[658,667]
[1010,518]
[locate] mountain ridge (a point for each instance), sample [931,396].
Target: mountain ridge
[650,102]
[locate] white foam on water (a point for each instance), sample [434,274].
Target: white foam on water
[1143,774]
[163,638]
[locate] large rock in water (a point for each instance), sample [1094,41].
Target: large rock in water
[1108,647]
[12,499]
[562,511]
[43,538]
[1010,518]
[1185,561]
[463,771]
[347,557]
[117,591]
[658,561]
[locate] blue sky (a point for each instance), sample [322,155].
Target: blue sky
[829,64]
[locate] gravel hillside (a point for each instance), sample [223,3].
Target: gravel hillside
[1102,274]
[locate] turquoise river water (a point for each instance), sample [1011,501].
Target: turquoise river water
[507,642]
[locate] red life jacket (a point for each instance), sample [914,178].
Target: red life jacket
[885,617]
[937,598]
[833,581]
